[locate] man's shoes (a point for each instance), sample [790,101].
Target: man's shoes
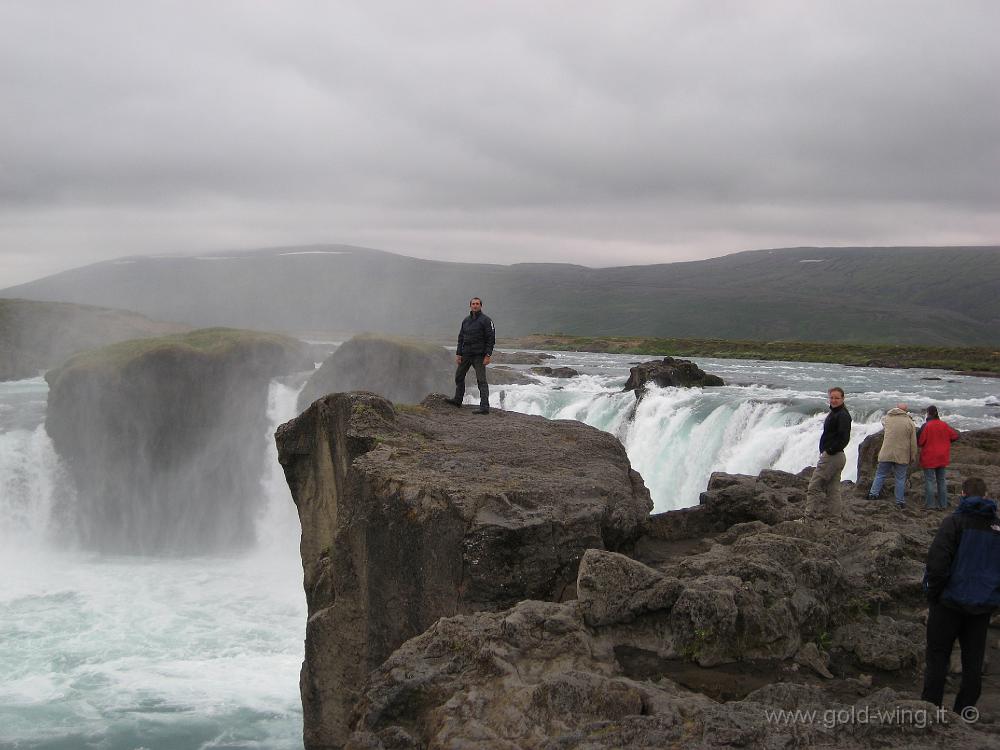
[453,402]
[872,497]
[481,410]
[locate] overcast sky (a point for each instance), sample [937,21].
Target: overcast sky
[595,133]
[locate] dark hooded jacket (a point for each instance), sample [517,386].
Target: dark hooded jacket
[477,336]
[963,563]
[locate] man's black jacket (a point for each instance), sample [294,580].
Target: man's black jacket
[836,431]
[476,336]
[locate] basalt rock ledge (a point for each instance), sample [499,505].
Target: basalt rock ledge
[414,513]
[498,582]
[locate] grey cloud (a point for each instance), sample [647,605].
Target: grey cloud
[539,131]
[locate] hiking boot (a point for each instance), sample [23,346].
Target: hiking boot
[453,402]
[482,410]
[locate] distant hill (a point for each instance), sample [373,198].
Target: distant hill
[35,336]
[930,295]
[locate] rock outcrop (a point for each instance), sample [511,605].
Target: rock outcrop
[696,640]
[165,438]
[36,336]
[668,372]
[410,514]
[402,370]
[555,372]
[692,630]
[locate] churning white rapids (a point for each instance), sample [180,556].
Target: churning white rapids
[119,653]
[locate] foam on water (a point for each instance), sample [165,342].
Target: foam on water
[117,652]
[676,437]
[122,653]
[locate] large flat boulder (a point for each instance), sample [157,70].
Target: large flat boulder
[410,514]
[669,372]
[165,438]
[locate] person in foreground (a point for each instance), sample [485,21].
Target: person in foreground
[823,495]
[899,450]
[935,438]
[476,339]
[962,583]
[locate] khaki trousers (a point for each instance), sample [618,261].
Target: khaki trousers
[823,495]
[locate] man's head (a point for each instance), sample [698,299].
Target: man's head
[901,407]
[974,487]
[836,395]
[475,305]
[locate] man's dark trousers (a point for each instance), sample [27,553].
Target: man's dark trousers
[484,387]
[944,625]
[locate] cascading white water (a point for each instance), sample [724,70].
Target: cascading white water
[128,652]
[30,477]
[676,437]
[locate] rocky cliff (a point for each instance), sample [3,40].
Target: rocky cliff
[412,514]
[165,438]
[685,629]
[35,336]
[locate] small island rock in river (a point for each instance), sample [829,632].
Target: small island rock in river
[165,438]
[668,372]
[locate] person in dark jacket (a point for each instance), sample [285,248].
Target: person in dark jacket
[476,339]
[962,583]
[935,439]
[823,495]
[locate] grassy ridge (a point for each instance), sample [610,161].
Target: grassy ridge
[966,359]
[213,341]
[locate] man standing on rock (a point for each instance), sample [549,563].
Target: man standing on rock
[962,583]
[823,495]
[476,338]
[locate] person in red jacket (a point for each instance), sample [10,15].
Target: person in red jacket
[935,439]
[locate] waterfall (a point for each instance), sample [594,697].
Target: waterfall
[676,437]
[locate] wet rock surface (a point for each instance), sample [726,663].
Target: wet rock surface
[414,513]
[692,632]
[668,372]
[555,372]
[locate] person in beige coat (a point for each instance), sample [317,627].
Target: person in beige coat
[899,450]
